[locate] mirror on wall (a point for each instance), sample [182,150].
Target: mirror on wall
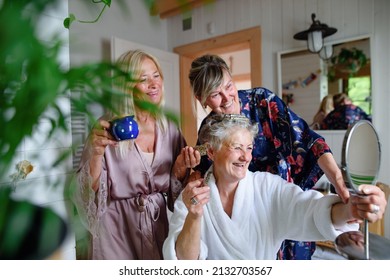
[304,79]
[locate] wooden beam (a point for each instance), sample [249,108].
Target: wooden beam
[169,8]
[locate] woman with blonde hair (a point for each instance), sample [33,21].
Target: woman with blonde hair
[325,108]
[120,195]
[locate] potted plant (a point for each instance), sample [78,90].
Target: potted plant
[348,61]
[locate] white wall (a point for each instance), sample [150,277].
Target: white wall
[305,94]
[89,42]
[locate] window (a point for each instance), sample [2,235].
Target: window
[359,90]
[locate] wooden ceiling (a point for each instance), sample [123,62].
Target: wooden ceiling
[168,8]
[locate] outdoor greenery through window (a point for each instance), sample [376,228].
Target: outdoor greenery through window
[359,90]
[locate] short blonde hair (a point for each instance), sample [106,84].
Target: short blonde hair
[206,74]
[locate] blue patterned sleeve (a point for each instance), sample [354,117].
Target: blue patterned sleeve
[290,141]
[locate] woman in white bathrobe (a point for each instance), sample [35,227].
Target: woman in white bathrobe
[238,214]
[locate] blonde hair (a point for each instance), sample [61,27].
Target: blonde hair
[130,63]
[326,105]
[325,108]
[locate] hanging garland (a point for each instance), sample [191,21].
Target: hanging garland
[301,83]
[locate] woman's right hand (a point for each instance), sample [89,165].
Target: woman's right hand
[100,138]
[195,195]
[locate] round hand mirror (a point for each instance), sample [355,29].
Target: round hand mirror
[361,154]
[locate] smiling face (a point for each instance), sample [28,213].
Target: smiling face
[224,99]
[232,160]
[150,86]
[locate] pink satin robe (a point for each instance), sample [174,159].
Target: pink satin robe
[127,216]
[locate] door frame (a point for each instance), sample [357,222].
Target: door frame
[244,39]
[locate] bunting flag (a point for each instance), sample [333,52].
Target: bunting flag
[308,80]
[299,82]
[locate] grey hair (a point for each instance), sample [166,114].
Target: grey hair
[219,128]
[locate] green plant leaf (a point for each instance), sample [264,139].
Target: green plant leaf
[107,2]
[28,231]
[348,60]
[68,21]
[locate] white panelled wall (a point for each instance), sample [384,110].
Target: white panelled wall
[303,95]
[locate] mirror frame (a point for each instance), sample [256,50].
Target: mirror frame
[330,42]
[345,164]
[345,169]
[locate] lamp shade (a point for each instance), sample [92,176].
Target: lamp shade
[326,52]
[315,41]
[315,35]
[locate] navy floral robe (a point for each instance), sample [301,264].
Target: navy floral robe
[343,117]
[285,145]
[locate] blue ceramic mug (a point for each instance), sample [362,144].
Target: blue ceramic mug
[124,128]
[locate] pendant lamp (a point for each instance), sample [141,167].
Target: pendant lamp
[315,35]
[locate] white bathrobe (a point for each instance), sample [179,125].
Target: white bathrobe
[266,211]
